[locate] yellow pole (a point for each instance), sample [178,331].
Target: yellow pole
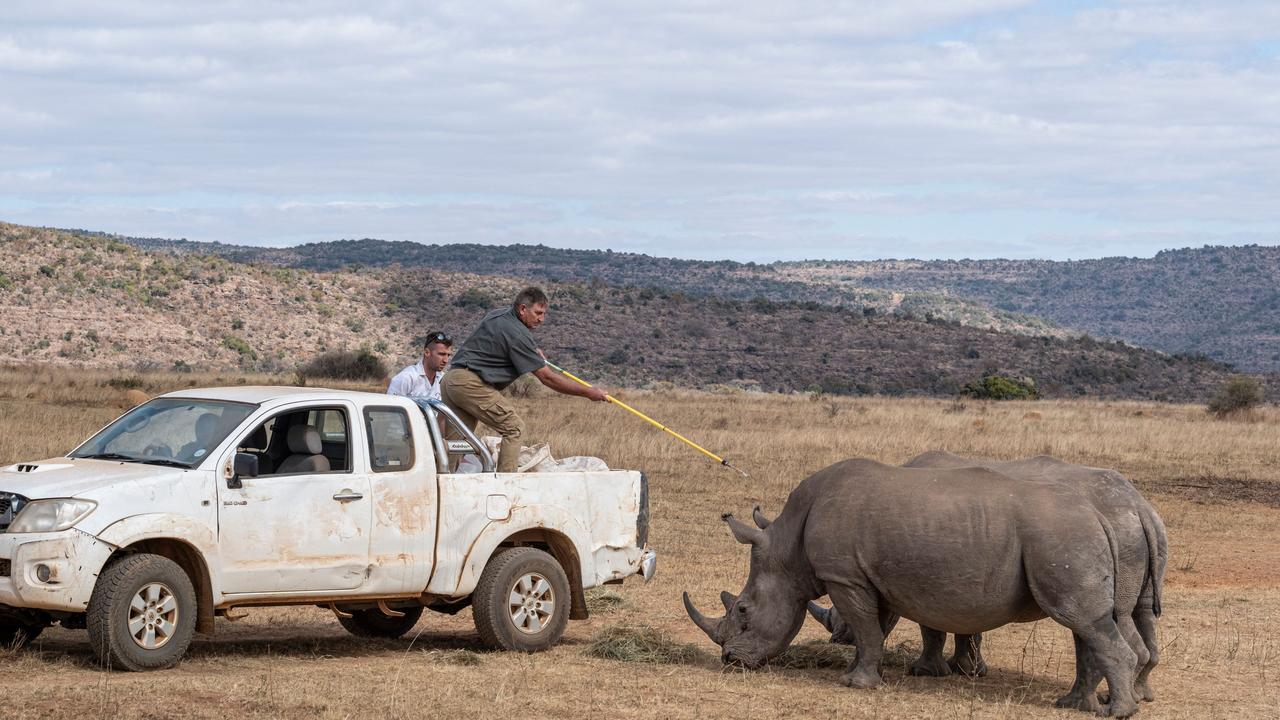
[650,420]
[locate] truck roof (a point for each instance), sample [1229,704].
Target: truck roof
[270,394]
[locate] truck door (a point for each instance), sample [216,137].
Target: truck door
[303,524]
[403,479]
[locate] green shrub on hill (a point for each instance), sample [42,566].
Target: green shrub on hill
[999,387]
[231,342]
[1238,394]
[345,365]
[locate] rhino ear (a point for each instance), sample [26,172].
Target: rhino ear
[744,534]
[821,614]
[728,599]
[762,522]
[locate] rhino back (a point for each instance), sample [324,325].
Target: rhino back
[946,547]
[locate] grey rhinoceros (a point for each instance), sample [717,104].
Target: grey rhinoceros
[1140,534]
[961,550]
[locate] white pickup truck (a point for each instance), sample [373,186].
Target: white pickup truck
[204,501]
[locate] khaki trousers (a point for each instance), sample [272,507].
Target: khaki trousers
[475,400]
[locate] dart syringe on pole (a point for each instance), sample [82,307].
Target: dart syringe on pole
[650,420]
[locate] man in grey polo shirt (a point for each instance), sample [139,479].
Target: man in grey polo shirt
[501,350]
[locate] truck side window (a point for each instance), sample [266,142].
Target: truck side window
[390,439]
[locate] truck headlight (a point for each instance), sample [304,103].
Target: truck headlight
[51,515]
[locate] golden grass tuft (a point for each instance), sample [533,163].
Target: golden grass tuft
[461,658]
[603,601]
[642,644]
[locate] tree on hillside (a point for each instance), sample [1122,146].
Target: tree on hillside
[1239,394]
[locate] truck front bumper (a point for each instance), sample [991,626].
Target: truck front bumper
[50,571]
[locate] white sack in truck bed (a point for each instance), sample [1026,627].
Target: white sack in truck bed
[536,458]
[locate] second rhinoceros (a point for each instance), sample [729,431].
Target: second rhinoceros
[961,550]
[1143,552]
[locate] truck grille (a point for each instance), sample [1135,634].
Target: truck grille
[4,567]
[10,504]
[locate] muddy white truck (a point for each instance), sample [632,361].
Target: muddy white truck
[201,503]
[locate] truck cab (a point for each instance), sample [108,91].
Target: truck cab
[202,502]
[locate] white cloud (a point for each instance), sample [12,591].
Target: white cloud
[712,127]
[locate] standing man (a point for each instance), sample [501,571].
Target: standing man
[501,350]
[423,380]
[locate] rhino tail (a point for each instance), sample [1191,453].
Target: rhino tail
[1157,555]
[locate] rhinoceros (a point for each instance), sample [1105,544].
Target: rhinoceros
[1143,556]
[961,550]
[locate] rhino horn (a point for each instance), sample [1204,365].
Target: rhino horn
[744,534]
[728,599]
[821,614]
[704,623]
[762,522]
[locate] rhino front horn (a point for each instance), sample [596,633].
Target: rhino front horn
[821,614]
[704,623]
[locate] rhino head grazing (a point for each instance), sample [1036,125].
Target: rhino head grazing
[761,621]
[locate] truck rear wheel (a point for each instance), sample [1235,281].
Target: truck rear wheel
[142,613]
[522,601]
[376,624]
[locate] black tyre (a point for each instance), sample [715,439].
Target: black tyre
[142,613]
[16,634]
[376,624]
[522,601]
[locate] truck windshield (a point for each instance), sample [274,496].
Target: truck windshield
[167,431]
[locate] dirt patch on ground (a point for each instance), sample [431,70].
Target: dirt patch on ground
[1204,489]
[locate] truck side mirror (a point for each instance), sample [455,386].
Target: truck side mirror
[243,466]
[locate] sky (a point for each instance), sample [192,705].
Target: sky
[703,129]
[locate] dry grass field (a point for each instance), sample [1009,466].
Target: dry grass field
[1215,482]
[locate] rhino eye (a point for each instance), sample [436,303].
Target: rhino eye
[742,609]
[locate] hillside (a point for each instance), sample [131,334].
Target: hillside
[724,279]
[1223,302]
[93,301]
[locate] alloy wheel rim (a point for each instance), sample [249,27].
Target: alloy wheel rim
[153,616]
[531,603]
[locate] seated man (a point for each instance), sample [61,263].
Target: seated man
[422,381]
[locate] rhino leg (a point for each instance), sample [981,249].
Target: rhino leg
[1108,652]
[1076,591]
[1146,625]
[1082,695]
[1137,640]
[967,657]
[866,620]
[930,663]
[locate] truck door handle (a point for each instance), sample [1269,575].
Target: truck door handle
[346,495]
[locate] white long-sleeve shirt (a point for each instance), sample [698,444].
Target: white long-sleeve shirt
[412,382]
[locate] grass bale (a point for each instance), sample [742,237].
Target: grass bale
[640,644]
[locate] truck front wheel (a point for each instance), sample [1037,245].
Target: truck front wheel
[376,624]
[522,601]
[142,613]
